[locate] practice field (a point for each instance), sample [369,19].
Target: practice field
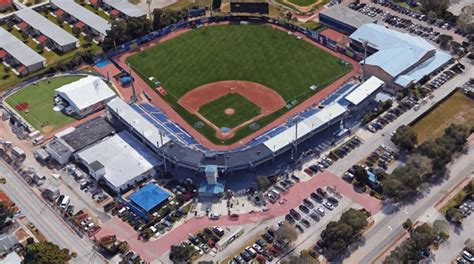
[229,110]
[457,109]
[35,104]
[254,53]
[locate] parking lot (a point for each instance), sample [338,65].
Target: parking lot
[407,20]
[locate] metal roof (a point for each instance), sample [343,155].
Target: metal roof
[396,51]
[46,27]
[311,123]
[19,50]
[425,68]
[126,7]
[123,157]
[88,133]
[85,92]
[364,90]
[348,16]
[81,13]
[149,196]
[136,121]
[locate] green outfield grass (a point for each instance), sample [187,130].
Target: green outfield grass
[215,110]
[256,53]
[39,98]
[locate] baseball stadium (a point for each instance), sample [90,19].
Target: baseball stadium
[234,92]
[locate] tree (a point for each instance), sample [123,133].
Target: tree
[361,175]
[289,16]
[303,258]
[423,235]
[437,6]
[166,17]
[216,4]
[60,20]
[122,31]
[408,224]
[10,25]
[444,41]
[441,228]
[454,215]
[76,31]
[339,235]
[286,231]
[40,47]
[420,163]
[431,15]
[405,138]
[45,252]
[6,212]
[181,254]
[123,247]
[262,183]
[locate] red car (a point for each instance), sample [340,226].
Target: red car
[308,171]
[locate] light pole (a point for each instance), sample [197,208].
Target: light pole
[148,2]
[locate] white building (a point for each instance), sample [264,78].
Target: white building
[84,96]
[121,160]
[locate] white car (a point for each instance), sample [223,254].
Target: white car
[328,205]
[199,250]
[258,248]
[468,256]
[320,211]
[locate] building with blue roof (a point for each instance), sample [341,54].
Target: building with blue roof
[149,197]
[397,58]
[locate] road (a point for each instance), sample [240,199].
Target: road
[388,228]
[45,219]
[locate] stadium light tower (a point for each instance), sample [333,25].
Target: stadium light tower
[365,44]
[148,2]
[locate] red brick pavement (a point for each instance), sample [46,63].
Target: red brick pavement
[153,249]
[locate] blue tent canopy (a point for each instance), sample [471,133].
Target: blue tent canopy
[149,197]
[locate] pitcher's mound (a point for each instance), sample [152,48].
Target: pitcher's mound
[229,111]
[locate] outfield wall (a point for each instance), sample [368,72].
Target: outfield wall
[313,35]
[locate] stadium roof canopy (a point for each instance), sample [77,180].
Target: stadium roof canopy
[81,13]
[139,123]
[85,92]
[46,27]
[348,16]
[126,7]
[123,157]
[397,51]
[149,196]
[366,89]
[19,50]
[425,68]
[311,123]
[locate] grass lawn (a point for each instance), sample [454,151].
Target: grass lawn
[215,111]
[40,103]
[303,2]
[255,53]
[457,109]
[458,198]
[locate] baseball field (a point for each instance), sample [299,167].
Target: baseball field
[35,104]
[258,54]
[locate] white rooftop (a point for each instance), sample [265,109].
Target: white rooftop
[83,14]
[311,123]
[364,90]
[122,156]
[85,92]
[46,27]
[126,7]
[19,50]
[135,120]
